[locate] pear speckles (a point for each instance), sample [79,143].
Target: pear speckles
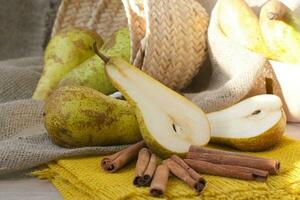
[80,116]
[64,52]
[90,73]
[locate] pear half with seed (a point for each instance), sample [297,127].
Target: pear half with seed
[254,124]
[169,122]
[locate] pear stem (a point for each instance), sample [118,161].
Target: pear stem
[269,86]
[277,10]
[101,55]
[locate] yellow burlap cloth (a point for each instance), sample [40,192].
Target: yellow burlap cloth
[82,179]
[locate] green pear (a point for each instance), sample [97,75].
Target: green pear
[281,30]
[91,73]
[64,52]
[254,124]
[77,116]
[169,122]
[239,23]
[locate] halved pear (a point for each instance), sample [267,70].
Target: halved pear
[254,124]
[169,122]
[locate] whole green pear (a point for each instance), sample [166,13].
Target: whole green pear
[91,72]
[77,116]
[65,51]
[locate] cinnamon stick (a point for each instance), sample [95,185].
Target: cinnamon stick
[183,174]
[231,171]
[233,158]
[141,166]
[148,175]
[160,181]
[118,160]
[200,179]
[199,149]
[266,165]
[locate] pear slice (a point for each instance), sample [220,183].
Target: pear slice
[169,122]
[254,124]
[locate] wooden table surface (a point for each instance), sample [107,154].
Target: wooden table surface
[18,187]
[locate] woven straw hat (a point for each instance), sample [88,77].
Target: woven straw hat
[168,37]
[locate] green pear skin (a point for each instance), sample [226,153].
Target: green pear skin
[91,72]
[77,116]
[65,51]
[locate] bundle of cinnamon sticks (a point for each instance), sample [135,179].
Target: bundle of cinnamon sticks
[198,160]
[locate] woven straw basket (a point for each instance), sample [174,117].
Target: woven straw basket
[168,37]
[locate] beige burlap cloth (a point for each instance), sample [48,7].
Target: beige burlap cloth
[231,74]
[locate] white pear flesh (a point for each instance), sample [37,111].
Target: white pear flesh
[169,122]
[254,124]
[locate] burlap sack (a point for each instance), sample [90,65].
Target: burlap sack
[232,74]
[24,26]
[18,78]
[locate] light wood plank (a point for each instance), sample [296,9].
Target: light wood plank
[27,188]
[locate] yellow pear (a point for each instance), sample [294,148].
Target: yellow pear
[281,30]
[239,23]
